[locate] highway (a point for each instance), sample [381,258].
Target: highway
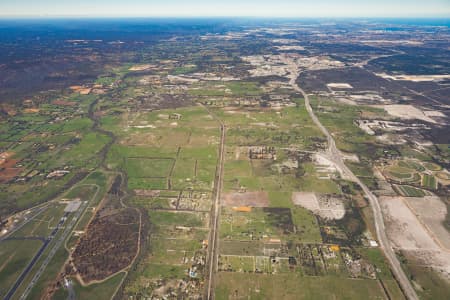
[36,257]
[336,157]
[215,214]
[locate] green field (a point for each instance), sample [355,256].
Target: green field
[432,166]
[293,286]
[15,257]
[429,284]
[429,182]
[409,191]
[411,165]
[401,173]
[100,291]
[148,167]
[307,226]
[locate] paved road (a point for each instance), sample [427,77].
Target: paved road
[213,238]
[336,156]
[35,259]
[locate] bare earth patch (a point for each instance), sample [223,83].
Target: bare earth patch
[141,67]
[327,207]
[407,112]
[407,233]
[339,85]
[415,78]
[147,193]
[250,199]
[431,211]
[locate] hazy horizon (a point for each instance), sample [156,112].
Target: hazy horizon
[231,8]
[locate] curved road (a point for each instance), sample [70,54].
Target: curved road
[336,157]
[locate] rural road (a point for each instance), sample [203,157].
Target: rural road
[336,157]
[213,237]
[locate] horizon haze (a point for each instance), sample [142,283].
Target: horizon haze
[233,8]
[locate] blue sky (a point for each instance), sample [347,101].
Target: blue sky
[257,8]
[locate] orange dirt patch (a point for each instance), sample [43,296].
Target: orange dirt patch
[242,209]
[86,91]
[7,169]
[9,173]
[81,89]
[334,248]
[9,163]
[6,155]
[31,110]
[250,199]
[76,87]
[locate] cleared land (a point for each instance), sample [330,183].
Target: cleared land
[251,199]
[327,207]
[408,234]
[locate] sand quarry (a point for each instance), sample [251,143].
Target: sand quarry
[418,231]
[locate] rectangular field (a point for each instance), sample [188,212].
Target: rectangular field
[408,191]
[231,285]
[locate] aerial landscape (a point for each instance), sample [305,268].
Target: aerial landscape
[222,157]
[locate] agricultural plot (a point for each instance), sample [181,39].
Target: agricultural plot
[169,150]
[287,172]
[410,164]
[251,199]
[258,224]
[412,175]
[432,166]
[148,167]
[170,157]
[294,286]
[409,191]
[429,182]
[54,145]
[402,174]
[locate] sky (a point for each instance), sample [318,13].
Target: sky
[214,8]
